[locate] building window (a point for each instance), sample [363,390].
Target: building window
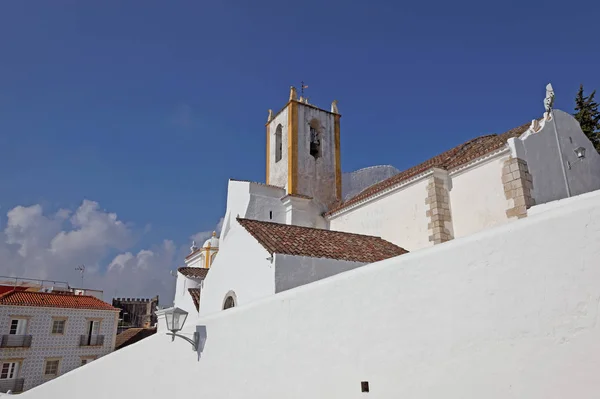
[18,327]
[87,359]
[315,139]
[9,370]
[230,300]
[51,367]
[58,326]
[278,143]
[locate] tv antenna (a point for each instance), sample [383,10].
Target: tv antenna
[81,269]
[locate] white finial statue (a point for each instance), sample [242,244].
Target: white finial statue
[270,117]
[549,99]
[193,247]
[334,108]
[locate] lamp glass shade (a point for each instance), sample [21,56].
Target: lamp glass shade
[175,318]
[580,151]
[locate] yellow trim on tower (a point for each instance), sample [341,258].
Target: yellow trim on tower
[207,257]
[292,145]
[268,151]
[338,165]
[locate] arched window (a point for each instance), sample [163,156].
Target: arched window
[278,143]
[315,139]
[230,300]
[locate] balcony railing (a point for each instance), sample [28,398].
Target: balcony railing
[15,341]
[13,384]
[91,340]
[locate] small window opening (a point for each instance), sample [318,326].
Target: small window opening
[364,386]
[278,144]
[229,301]
[315,139]
[270,215]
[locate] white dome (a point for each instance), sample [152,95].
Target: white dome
[212,242]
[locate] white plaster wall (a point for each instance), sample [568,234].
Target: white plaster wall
[263,201]
[293,271]
[183,299]
[544,161]
[278,170]
[510,312]
[316,178]
[477,199]
[252,201]
[46,345]
[242,267]
[398,217]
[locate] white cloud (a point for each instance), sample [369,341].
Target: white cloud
[50,246]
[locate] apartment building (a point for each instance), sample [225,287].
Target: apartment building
[46,334]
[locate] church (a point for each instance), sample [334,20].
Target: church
[471,275]
[297,227]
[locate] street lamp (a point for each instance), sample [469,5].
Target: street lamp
[175,318]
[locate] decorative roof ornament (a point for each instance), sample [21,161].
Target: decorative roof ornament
[293,95]
[549,99]
[214,234]
[270,117]
[194,247]
[334,107]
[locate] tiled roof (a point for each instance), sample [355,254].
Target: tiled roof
[54,300]
[195,293]
[319,243]
[132,335]
[194,272]
[453,158]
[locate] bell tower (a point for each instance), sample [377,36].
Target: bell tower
[303,150]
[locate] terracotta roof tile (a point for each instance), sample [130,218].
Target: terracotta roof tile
[319,243]
[194,272]
[195,293]
[133,335]
[54,300]
[453,158]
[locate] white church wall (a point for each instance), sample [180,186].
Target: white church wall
[278,170]
[398,217]
[252,201]
[508,312]
[293,271]
[182,298]
[241,267]
[265,204]
[544,162]
[477,199]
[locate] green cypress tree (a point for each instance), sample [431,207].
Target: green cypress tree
[588,116]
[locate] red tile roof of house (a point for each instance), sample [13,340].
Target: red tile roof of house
[194,272]
[320,243]
[54,300]
[133,335]
[195,293]
[8,288]
[451,159]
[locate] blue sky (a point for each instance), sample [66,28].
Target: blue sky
[148,107]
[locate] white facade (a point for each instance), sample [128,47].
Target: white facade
[398,216]
[508,312]
[63,345]
[476,190]
[477,196]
